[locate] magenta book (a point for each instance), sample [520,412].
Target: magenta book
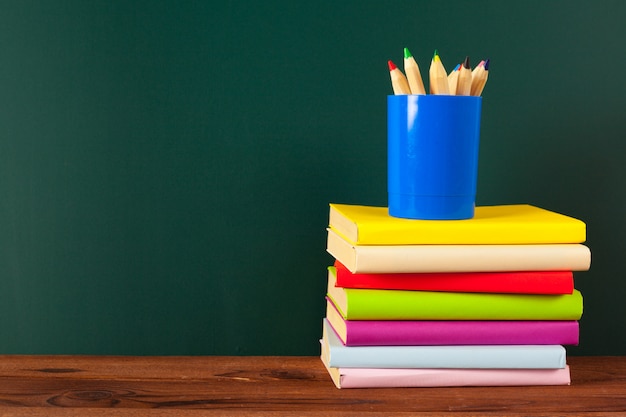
[461,332]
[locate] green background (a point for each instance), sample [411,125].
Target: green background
[166,166]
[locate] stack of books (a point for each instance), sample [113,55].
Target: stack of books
[487,301]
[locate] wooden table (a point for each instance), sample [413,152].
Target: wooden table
[269,386]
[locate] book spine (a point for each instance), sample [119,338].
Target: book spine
[425,305]
[481,357]
[458,258]
[525,282]
[406,333]
[467,258]
[407,378]
[495,225]
[513,356]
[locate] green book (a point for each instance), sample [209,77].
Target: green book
[370,304]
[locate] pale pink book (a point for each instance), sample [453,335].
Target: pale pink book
[407,378]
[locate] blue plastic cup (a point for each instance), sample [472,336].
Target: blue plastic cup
[432,160]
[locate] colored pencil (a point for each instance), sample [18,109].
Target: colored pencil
[413,74]
[438,76]
[479,78]
[464,84]
[399,82]
[453,77]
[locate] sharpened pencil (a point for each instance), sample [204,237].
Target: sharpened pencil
[399,82]
[453,78]
[479,78]
[438,77]
[464,84]
[413,75]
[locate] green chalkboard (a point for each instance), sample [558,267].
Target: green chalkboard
[166,166]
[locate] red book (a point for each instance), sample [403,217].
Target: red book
[522,282]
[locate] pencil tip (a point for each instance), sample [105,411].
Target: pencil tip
[436,54]
[487,64]
[466,63]
[407,53]
[392,66]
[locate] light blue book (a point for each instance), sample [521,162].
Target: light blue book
[474,357]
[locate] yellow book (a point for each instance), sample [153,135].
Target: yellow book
[494,225]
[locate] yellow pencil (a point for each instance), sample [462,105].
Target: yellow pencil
[453,78]
[464,84]
[438,77]
[398,80]
[479,78]
[413,74]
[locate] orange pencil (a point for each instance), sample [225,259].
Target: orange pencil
[399,82]
[438,76]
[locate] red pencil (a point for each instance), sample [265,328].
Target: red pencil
[398,80]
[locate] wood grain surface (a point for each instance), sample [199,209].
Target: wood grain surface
[271,386]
